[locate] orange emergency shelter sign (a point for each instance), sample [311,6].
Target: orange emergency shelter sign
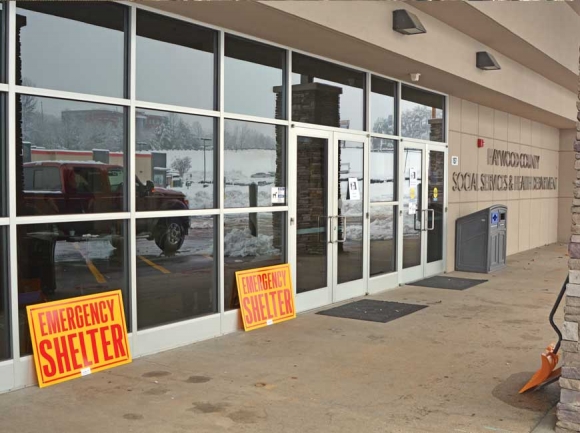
[266,296]
[78,336]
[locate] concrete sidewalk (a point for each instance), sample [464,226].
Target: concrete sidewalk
[455,366]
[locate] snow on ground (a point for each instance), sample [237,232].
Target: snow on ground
[241,243]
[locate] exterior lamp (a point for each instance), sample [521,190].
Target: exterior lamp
[407,23]
[486,61]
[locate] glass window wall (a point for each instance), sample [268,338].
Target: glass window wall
[175,161]
[422,114]
[3,32]
[254,78]
[187,271]
[73,46]
[383,221]
[254,163]
[176,62]
[383,164]
[3,158]
[383,97]
[5,345]
[327,94]
[66,260]
[251,241]
[71,157]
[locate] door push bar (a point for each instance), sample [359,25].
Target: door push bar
[432,225]
[328,220]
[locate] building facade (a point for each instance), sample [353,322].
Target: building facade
[159,147]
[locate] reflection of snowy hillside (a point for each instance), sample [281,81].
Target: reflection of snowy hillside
[241,169]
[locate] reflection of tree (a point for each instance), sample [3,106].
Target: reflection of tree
[239,136]
[70,132]
[384,125]
[415,122]
[182,165]
[173,133]
[28,102]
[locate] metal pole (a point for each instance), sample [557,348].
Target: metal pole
[204,170]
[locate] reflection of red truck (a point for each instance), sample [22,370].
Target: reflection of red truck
[79,187]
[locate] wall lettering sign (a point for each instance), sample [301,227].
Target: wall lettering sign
[505,158]
[501,182]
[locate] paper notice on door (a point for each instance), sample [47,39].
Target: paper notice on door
[412,208]
[278,195]
[353,191]
[413,177]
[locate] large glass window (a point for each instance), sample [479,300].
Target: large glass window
[383,170]
[3,50]
[254,78]
[175,161]
[66,260]
[70,156]
[383,95]
[73,46]
[422,114]
[175,62]
[5,345]
[254,163]
[187,275]
[251,241]
[3,158]
[383,252]
[327,94]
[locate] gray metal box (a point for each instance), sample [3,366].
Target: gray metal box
[481,240]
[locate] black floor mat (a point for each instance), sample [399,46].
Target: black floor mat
[439,282]
[372,310]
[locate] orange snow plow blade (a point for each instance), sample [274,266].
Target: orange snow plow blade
[547,373]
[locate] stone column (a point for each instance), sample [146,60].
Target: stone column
[569,406]
[436,129]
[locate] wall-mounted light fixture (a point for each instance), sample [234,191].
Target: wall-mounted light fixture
[486,61]
[407,23]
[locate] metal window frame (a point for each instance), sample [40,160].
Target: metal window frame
[12,220]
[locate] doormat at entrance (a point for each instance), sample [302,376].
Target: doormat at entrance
[439,282]
[372,310]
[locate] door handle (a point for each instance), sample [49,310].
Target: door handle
[432,226]
[331,232]
[320,227]
[343,230]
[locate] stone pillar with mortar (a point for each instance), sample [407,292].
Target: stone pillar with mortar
[569,407]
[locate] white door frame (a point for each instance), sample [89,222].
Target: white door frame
[438,266]
[359,287]
[424,269]
[333,292]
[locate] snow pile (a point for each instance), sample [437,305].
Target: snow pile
[200,223]
[382,229]
[241,243]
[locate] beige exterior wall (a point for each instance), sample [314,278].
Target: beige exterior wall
[552,27]
[566,184]
[442,47]
[532,214]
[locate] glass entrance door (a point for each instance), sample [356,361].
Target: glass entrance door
[422,212]
[328,222]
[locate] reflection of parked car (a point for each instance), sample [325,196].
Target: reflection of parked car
[78,187]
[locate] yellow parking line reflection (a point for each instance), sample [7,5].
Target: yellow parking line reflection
[155,265]
[98,276]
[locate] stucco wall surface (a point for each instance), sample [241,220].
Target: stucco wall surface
[532,214]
